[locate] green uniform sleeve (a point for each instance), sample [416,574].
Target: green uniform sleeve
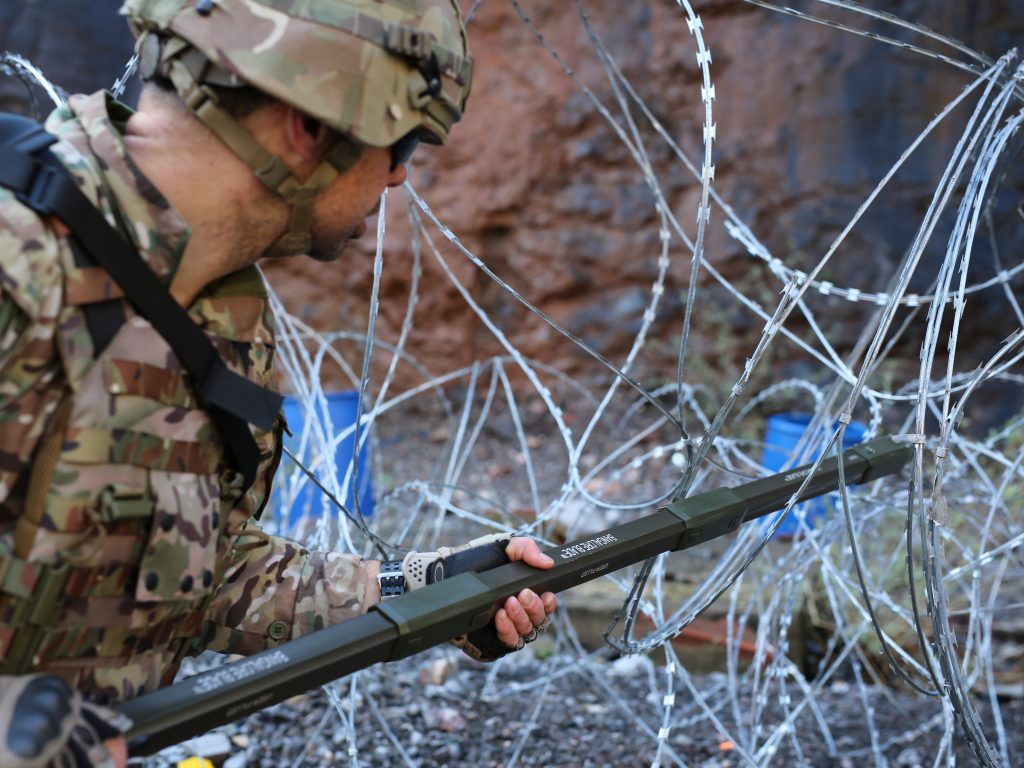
[277,590]
[30,290]
[13,323]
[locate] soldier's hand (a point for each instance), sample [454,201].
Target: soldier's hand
[525,614]
[522,616]
[43,723]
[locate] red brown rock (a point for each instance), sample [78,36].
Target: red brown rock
[539,186]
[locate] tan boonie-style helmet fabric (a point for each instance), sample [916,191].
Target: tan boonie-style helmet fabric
[374,70]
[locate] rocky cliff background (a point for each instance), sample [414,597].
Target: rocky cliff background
[538,185]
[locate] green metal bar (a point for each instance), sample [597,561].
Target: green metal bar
[415,621]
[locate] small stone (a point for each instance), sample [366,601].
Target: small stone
[448,752]
[444,719]
[453,687]
[630,666]
[909,757]
[437,672]
[209,745]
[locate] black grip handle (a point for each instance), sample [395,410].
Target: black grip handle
[475,559]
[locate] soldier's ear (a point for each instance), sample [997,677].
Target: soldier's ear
[307,137]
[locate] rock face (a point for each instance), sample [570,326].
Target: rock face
[538,184]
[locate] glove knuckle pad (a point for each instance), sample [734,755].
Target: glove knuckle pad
[46,722]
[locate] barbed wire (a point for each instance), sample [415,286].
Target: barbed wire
[856,593]
[17,66]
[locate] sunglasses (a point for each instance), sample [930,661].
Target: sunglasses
[402,150]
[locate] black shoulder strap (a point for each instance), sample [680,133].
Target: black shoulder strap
[30,170]
[103,319]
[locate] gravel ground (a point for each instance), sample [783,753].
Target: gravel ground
[439,709]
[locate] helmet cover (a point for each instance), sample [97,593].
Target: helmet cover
[374,70]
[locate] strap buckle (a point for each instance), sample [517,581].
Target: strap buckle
[407,41]
[39,608]
[197,97]
[39,188]
[47,597]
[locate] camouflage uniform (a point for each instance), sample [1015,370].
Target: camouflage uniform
[146,551]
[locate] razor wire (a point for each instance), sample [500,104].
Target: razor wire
[912,612]
[930,656]
[926,656]
[17,66]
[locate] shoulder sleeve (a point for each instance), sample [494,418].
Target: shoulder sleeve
[30,266]
[31,289]
[277,590]
[13,323]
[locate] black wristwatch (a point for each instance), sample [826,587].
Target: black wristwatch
[391,579]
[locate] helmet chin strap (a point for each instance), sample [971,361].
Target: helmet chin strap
[273,172]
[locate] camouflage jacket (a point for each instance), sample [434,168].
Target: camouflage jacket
[145,550]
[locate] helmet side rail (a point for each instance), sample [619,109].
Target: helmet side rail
[435,614]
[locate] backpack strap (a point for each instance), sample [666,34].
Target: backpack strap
[41,182]
[104,318]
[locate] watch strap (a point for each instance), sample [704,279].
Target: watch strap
[391,579]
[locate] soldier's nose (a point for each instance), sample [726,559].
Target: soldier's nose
[397,176]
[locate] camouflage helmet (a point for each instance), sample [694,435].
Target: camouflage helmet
[376,71]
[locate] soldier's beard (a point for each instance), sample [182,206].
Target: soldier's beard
[328,246]
[328,249]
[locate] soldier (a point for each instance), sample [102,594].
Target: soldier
[129,477]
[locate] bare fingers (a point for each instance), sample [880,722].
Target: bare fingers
[506,629]
[118,751]
[522,615]
[526,549]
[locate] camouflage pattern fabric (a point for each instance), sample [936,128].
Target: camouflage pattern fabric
[145,552]
[357,66]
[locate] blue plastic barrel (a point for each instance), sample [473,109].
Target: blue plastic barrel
[782,434]
[310,502]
